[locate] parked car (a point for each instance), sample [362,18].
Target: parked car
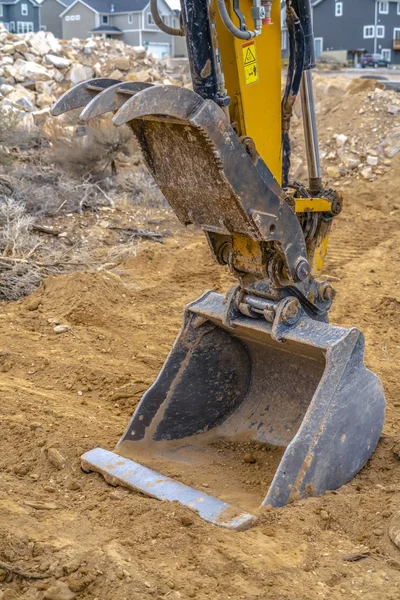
[374,60]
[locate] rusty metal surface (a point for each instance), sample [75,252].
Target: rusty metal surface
[80,95]
[312,395]
[111,99]
[206,174]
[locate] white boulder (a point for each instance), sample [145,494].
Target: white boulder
[79,73]
[57,61]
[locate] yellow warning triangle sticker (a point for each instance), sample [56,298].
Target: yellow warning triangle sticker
[249,58]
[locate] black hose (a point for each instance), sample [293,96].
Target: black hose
[290,71]
[160,23]
[293,81]
[303,10]
[299,57]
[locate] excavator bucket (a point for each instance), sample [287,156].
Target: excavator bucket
[246,411]
[308,406]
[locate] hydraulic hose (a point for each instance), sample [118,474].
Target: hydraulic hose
[227,21]
[303,10]
[294,77]
[160,23]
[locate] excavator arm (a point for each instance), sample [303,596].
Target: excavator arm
[262,363]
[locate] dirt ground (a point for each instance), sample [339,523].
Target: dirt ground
[67,534]
[75,391]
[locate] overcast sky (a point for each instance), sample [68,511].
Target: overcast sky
[174,3]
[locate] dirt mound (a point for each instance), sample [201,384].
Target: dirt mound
[357,86]
[81,298]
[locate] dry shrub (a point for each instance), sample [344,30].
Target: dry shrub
[139,188]
[92,150]
[13,135]
[18,276]
[9,124]
[48,191]
[18,280]
[16,239]
[121,253]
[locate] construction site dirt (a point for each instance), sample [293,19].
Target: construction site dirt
[75,391]
[66,534]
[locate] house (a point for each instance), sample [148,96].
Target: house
[126,20]
[50,11]
[346,29]
[20,16]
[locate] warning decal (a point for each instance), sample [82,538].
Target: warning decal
[250,62]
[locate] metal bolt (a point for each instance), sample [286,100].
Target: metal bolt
[291,311]
[327,292]
[223,101]
[302,269]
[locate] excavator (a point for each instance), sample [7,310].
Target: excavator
[260,367]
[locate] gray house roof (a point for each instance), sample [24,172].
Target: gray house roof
[114,6]
[107,29]
[16,2]
[65,3]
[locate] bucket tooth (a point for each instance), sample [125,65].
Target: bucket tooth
[311,396]
[112,98]
[80,94]
[168,100]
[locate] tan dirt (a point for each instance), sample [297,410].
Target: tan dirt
[74,391]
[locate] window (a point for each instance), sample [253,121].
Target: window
[284,40]
[396,33]
[383,8]
[12,27]
[165,18]
[338,9]
[150,20]
[130,19]
[1,10]
[43,28]
[72,17]
[369,31]
[318,46]
[24,27]
[24,10]
[67,18]
[398,8]
[386,54]
[77,17]
[104,19]
[380,31]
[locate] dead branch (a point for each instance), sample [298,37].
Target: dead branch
[13,259]
[48,230]
[145,234]
[356,557]
[21,573]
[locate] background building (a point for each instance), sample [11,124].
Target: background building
[50,11]
[127,20]
[346,29]
[20,16]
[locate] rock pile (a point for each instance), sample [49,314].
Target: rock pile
[359,121]
[36,68]
[358,125]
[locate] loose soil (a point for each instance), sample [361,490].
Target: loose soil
[76,390]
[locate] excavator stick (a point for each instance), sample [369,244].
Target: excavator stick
[260,367]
